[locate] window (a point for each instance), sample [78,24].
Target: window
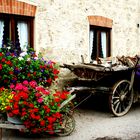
[18,29]
[99,42]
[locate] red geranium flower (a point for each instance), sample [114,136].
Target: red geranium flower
[57,100]
[8,108]
[10,72]
[38,107]
[63,96]
[31,105]
[23,95]
[42,122]
[1,54]
[16,111]
[28,74]
[0,66]
[34,73]
[15,105]
[16,98]
[55,71]
[9,63]
[51,119]
[3,60]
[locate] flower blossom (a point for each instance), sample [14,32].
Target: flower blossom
[25,82]
[23,54]
[18,86]
[12,86]
[35,58]
[0,66]
[40,100]
[33,84]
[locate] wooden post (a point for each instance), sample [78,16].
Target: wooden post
[0,133]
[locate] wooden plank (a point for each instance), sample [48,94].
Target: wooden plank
[0,133]
[92,67]
[11,126]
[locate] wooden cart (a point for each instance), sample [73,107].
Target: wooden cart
[117,81]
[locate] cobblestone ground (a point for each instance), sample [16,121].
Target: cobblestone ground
[94,122]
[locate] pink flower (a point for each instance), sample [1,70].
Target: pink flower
[39,88]
[25,89]
[25,82]
[40,100]
[33,84]
[12,86]
[13,92]
[18,86]
[0,66]
[43,90]
[37,94]
[46,92]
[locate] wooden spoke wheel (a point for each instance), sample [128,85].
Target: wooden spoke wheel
[68,125]
[121,99]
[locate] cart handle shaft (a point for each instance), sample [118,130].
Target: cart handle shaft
[67,101]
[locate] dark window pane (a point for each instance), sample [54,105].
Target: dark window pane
[17,43]
[94,47]
[6,31]
[99,42]
[18,29]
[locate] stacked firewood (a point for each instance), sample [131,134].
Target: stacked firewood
[127,61]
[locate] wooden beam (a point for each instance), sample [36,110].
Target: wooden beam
[11,126]
[0,133]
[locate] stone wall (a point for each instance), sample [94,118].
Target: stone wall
[62,27]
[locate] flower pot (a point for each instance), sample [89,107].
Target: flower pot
[14,120]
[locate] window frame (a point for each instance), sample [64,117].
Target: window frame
[12,26]
[98,30]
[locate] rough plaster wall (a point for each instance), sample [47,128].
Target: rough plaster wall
[62,34]
[62,28]
[124,14]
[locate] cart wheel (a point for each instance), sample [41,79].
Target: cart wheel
[68,125]
[121,99]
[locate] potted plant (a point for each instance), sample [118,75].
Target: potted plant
[37,107]
[26,91]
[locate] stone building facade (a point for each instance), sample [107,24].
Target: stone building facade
[61,27]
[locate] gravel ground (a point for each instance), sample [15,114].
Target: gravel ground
[95,124]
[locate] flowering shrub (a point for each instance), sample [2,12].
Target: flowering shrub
[26,66]
[7,63]
[36,68]
[23,76]
[37,107]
